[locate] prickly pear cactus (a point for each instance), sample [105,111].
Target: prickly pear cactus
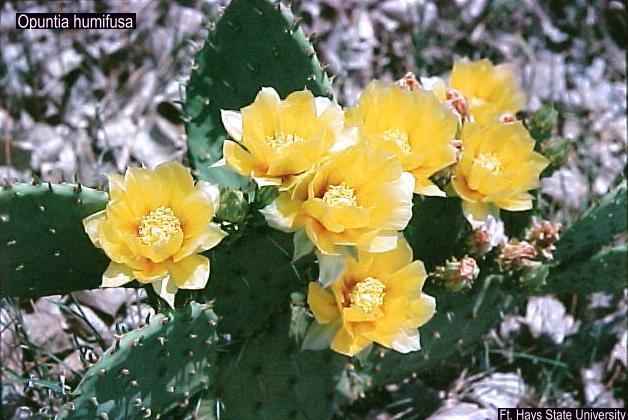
[246,359]
[151,370]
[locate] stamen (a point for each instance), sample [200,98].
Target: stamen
[158,226]
[340,196]
[398,137]
[368,295]
[279,141]
[489,162]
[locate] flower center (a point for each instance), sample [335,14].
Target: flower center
[340,196]
[489,162]
[158,226]
[398,137]
[279,141]
[368,295]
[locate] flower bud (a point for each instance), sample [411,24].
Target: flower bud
[265,195]
[507,118]
[233,206]
[486,237]
[516,255]
[299,316]
[542,122]
[557,151]
[409,82]
[458,274]
[543,235]
[458,103]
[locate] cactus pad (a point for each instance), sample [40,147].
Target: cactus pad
[150,370]
[596,227]
[44,249]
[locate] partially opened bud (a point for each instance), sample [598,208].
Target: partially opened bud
[487,236]
[516,255]
[458,274]
[543,235]
[409,82]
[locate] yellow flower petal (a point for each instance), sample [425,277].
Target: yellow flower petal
[116,275]
[166,289]
[239,159]
[232,121]
[322,304]
[91,224]
[201,242]
[176,179]
[421,310]
[194,212]
[490,90]
[428,188]
[389,262]
[521,202]
[477,213]
[343,343]
[145,188]
[150,272]
[191,272]
[407,341]
[116,186]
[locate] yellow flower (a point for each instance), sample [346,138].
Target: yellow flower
[275,139]
[413,125]
[359,197]
[154,226]
[497,167]
[490,91]
[377,299]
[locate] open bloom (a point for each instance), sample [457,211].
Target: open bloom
[275,139]
[484,90]
[413,125]
[376,299]
[154,226]
[359,197]
[497,168]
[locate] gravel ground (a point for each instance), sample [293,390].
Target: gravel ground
[78,105]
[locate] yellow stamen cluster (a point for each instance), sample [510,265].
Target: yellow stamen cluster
[280,141]
[368,295]
[340,195]
[398,137]
[489,162]
[158,226]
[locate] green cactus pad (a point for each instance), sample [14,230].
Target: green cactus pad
[597,227]
[255,44]
[251,282]
[434,231]
[605,271]
[280,381]
[43,247]
[150,370]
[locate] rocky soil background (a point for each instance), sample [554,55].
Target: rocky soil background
[76,105]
